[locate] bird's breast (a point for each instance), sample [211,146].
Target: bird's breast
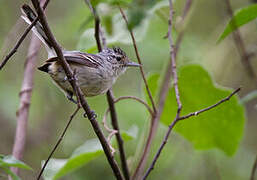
[92,81]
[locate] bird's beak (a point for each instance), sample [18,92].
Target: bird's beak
[132,64]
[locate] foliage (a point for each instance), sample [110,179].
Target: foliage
[9,161]
[241,17]
[116,25]
[82,155]
[220,128]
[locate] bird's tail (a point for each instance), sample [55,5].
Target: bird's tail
[29,16]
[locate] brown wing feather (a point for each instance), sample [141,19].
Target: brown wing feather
[89,60]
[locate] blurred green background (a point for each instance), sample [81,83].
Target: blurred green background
[50,110]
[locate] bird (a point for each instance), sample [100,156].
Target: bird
[95,73]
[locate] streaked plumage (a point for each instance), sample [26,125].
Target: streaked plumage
[95,73]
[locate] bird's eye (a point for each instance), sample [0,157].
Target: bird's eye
[118,58]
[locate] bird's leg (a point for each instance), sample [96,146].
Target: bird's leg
[70,97]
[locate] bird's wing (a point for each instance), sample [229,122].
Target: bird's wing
[89,60]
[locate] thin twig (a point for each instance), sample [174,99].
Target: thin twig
[110,98]
[90,114]
[17,45]
[172,67]
[114,120]
[177,119]
[139,60]
[165,85]
[25,99]
[254,169]
[245,56]
[210,107]
[97,25]
[137,99]
[173,61]
[125,98]
[58,142]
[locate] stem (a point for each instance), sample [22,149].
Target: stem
[119,139]
[90,114]
[25,98]
[58,142]
[172,125]
[109,95]
[139,60]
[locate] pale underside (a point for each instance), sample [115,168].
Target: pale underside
[90,80]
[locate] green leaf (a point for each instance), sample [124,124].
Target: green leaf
[11,161]
[9,172]
[240,18]
[221,127]
[91,149]
[120,34]
[129,134]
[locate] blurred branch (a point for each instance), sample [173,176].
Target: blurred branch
[90,114]
[110,97]
[59,141]
[245,56]
[119,139]
[25,98]
[129,97]
[154,122]
[139,60]
[254,169]
[171,70]
[24,35]
[17,45]
[136,99]
[11,36]
[176,120]
[97,25]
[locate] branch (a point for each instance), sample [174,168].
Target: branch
[139,60]
[125,98]
[138,100]
[110,97]
[119,139]
[59,141]
[210,107]
[25,98]
[17,45]
[173,61]
[171,70]
[254,169]
[177,119]
[90,114]
[245,57]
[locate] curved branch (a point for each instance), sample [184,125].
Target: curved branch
[124,98]
[138,100]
